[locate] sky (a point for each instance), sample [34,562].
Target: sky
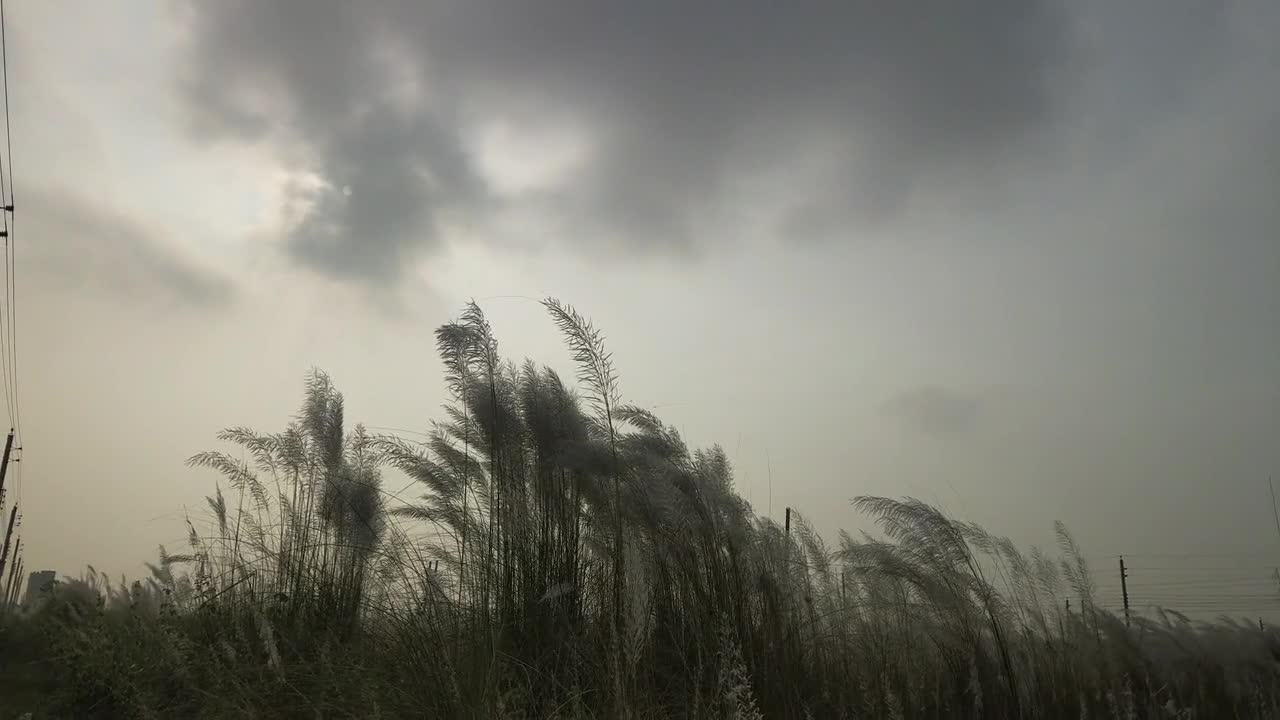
[1019,258]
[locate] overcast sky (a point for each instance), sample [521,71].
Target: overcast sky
[1022,261]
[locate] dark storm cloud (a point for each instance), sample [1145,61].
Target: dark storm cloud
[690,97]
[682,98]
[308,75]
[82,247]
[684,104]
[391,176]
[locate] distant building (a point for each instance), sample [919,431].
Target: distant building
[38,583]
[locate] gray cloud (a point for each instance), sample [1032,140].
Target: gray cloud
[682,99]
[84,247]
[874,109]
[307,75]
[935,410]
[392,178]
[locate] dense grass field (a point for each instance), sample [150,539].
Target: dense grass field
[571,557]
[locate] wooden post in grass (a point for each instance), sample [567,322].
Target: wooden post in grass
[1124,590]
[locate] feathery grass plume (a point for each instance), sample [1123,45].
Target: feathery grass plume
[1076,570]
[595,371]
[595,364]
[453,344]
[941,543]
[218,505]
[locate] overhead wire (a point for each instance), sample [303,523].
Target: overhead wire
[4,311]
[4,306]
[1195,555]
[9,311]
[1189,581]
[1157,570]
[12,238]
[1195,583]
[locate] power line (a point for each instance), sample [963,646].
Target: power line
[1138,600]
[13,388]
[7,335]
[1202,556]
[4,305]
[1196,579]
[1174,595]
[1190,582]
[1195,586]
[1201,568]
[13,234]
[395,429]
[1222,583]
[4,334]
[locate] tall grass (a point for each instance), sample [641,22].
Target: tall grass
[570,556]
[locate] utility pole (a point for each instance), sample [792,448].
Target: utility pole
[1124,589]
[17,582]
[17,548]
[4,464]
[8,594]
[8,534]
[4,469]
[13,573]
[788,521]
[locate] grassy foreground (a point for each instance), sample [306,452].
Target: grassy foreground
[571,557]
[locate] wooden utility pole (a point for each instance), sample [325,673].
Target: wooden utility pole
[16,590]
[17,550]
[4,470]
[788,522]
[1124,589]
[4,464]
[8,593]
[8,535]
[14,572]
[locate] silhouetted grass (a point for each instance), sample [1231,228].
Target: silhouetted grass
[571,557]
